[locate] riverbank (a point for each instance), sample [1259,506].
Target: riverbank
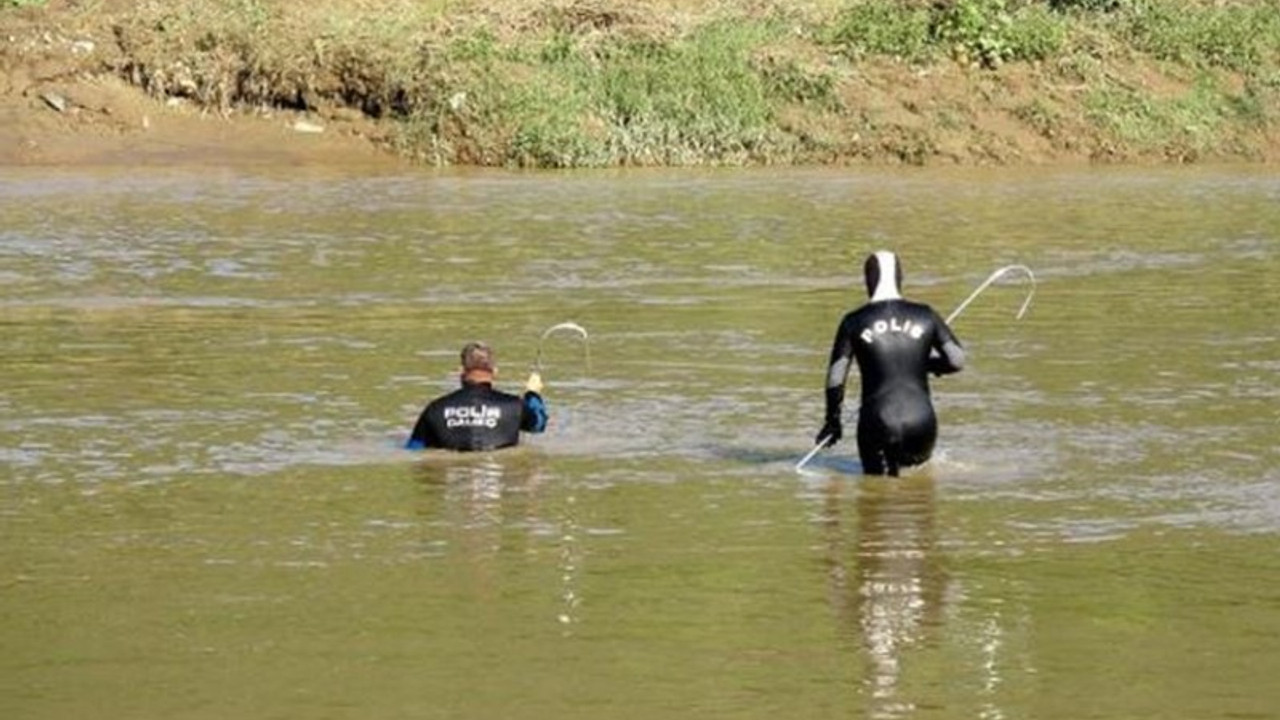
[597,83]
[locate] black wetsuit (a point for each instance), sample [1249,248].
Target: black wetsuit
[478,417]
[897,343]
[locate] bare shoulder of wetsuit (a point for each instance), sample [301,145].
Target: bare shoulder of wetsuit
[949,357]
[842,344]
[839,362]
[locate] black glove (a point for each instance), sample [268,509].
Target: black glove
[832,430]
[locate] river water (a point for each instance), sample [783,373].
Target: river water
[206,373]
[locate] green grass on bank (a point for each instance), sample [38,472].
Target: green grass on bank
[572,83]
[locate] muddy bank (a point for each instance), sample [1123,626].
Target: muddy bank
[63,101]
[581,83]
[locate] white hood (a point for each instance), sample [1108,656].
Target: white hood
[884,269]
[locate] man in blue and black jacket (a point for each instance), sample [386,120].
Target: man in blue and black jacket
[477,416]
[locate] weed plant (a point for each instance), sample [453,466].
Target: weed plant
[571,83]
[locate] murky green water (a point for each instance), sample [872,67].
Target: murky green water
[205,374]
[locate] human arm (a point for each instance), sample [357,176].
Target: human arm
[534,416]
[418,438]
[947,355]
[837,375]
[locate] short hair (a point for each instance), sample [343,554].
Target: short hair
[477,356]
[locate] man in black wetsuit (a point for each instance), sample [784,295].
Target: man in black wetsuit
[897,343]
[476,416]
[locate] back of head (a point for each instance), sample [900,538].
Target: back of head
[883,275]
[477,356]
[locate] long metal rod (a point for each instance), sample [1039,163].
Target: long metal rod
[822,442]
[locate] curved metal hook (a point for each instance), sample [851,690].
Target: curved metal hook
[575,327]
[992,278]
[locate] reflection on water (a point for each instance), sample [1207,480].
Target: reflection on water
[493,504]
[887,578]
[208,378]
